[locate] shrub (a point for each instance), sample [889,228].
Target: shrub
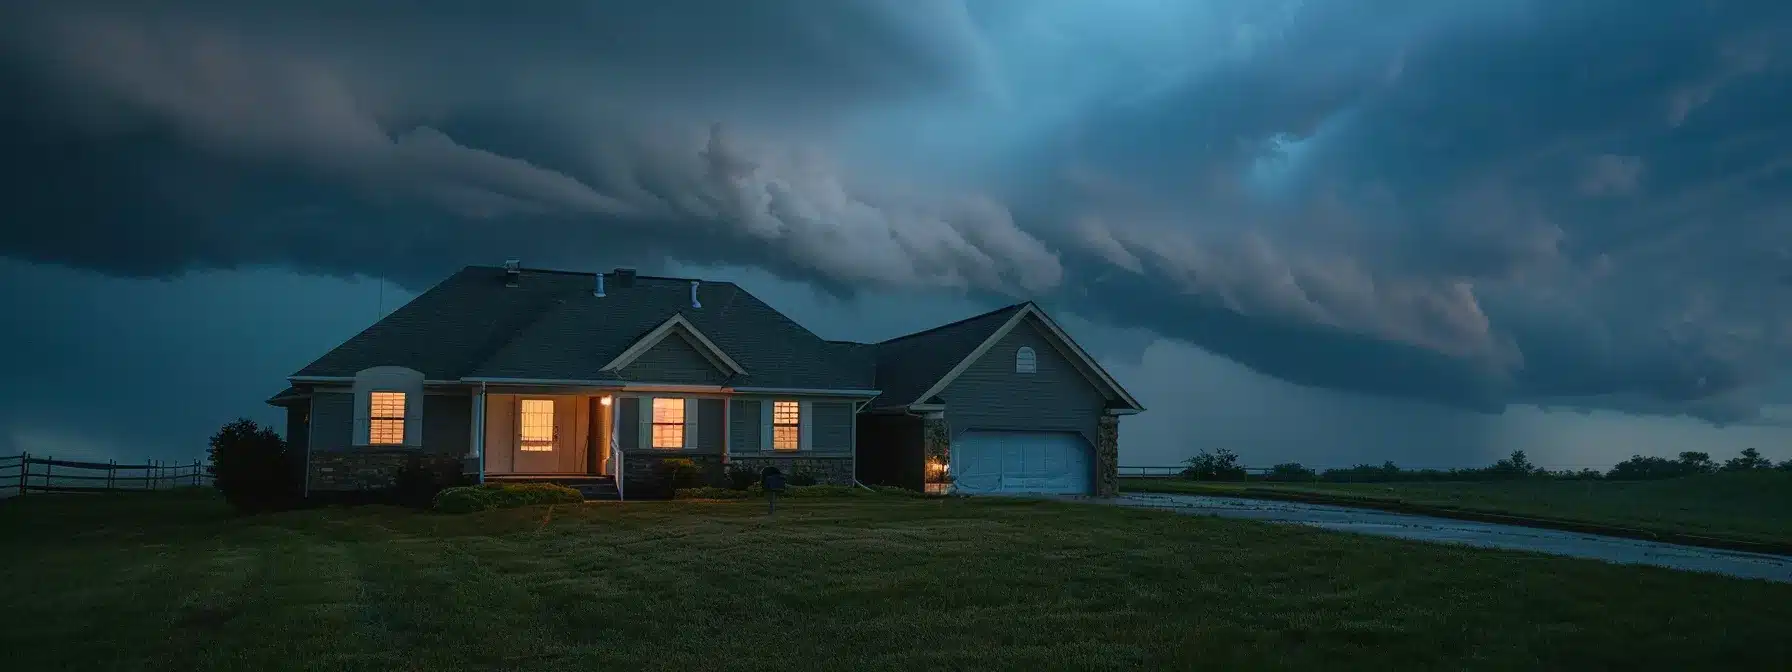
[1292,472]
[1647,468]
[251,469]
[470,498]
[1784,466]
[418,482]
[678,472]
[802,478]
[1221,465]
[741,478]
[1749,460]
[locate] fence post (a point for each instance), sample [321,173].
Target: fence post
[24,468]
[153,474]
[111,468]
[49,466]
[195,472]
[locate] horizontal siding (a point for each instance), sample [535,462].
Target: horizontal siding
[743,426]
[673,360]
[711,426]
[832,426]
[447,424]
[991,395]
[332,420]
[628,427]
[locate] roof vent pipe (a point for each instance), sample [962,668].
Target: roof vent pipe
[599,292]
[694,302]
[513,269]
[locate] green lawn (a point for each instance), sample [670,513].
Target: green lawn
[1746,506]
[172,582]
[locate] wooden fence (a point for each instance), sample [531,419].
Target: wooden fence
[23,473]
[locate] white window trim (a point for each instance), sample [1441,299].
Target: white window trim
[805,426]
[646,423]
[798,425]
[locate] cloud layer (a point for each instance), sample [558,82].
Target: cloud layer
[1477,203]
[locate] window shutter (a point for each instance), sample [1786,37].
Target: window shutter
[806,422]
[690,422]
[644,416]
[765,424]
[413,418]
[363,427]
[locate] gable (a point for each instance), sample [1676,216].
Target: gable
[1054,340]
[675,359]
[1057,382]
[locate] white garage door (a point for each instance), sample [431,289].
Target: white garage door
[985,462]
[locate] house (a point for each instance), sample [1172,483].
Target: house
[514,373]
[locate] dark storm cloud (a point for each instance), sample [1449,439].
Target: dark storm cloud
[1477,203]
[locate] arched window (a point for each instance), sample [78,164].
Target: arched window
[1025,361]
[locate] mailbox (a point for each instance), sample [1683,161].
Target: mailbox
[771,479]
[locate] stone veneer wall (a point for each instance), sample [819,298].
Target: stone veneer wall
[371,469]
[936,446]
[1107,457]
[827,470]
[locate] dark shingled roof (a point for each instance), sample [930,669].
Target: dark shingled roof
[908,365]
[551,326]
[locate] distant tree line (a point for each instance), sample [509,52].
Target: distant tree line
[1222,465]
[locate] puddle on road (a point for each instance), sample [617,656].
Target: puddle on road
[1479,534]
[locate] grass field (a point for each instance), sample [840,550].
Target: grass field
[172,581]
[1754,506]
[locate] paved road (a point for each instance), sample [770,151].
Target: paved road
[1488,535]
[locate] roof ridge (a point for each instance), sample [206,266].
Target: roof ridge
[949,325]
[638,276]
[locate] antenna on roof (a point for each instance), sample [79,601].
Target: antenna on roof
[694,302]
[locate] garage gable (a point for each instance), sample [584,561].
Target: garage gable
[1044,342]
[1023,381]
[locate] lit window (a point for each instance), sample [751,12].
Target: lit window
[668,423]
[536,425]
[1025,361]
[385,415]
[786,425]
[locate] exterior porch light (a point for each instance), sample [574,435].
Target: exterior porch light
[605,400]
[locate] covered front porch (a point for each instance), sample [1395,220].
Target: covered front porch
[549,435]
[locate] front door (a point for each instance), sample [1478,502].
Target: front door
[538,443]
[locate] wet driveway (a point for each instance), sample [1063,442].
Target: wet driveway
[1487,535]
